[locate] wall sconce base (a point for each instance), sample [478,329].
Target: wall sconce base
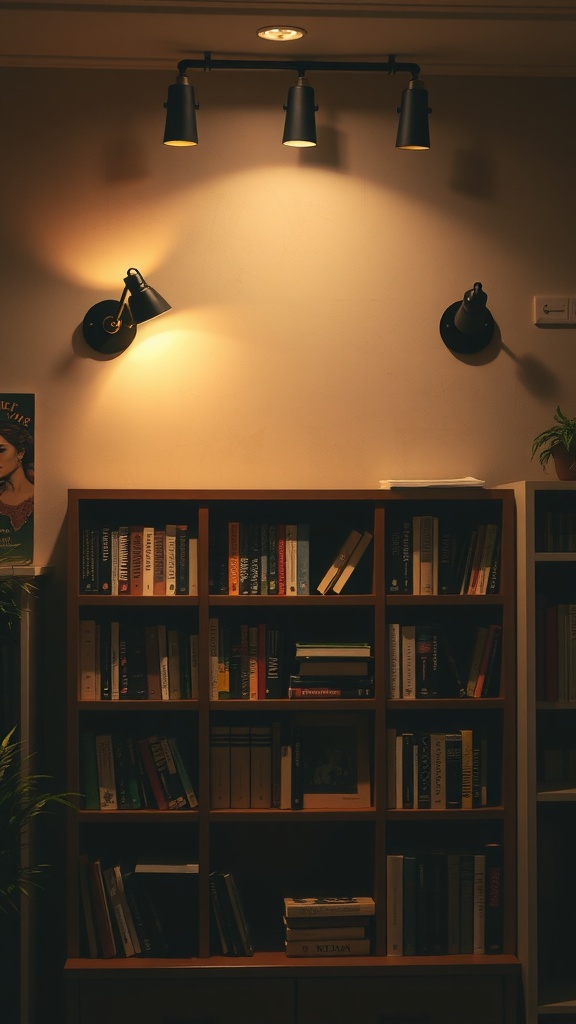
[104,332]
[465,343]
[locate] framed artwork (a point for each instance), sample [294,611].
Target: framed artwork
[330,762]
[17,427]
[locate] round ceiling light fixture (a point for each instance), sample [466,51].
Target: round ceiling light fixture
[281,33]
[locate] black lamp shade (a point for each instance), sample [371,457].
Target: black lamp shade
[300,122]
[468,327]
[413,130]
[181,106]
[145,302]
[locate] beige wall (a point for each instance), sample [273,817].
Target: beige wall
[303,347]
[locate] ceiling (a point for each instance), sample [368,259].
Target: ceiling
[511,37]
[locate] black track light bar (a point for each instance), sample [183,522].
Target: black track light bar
[301,66]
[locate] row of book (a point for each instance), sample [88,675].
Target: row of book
[328,926]
[128,773]
[445,903]
[142,909]
[127,660]
[274,559]
[229,915]
[430,554]
[140,561]
[421,662]
[321,762]
[245,661]
[556,526]
[438,770]
[248,662]
[555,650]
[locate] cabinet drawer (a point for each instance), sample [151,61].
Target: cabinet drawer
[223,1001]
[409,1000]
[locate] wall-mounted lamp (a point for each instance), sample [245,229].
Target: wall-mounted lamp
[300,127]
[468,326]
[109,327]
[413,130]
[300,123]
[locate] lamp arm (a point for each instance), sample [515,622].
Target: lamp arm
[117,319]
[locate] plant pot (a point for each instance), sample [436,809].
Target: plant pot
[565,463]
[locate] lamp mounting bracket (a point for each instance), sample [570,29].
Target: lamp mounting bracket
[208,63]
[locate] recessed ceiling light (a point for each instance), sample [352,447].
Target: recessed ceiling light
[281,33]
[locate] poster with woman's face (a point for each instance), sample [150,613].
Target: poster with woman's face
[16,479]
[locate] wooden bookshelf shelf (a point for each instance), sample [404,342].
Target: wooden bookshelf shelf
[329,850]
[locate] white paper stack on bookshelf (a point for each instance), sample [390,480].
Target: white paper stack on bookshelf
[462,481]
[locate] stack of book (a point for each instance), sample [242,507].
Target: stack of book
[229,915]
[344,562]
[337,670]
[122,772]
[141,909]
[331,926]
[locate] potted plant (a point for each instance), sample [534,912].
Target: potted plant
[23,794]
[558,442]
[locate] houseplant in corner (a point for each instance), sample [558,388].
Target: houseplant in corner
[559,443]
[23,794]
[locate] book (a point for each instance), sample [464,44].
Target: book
[328,906]
[136,541]
[87,909]
[261,766]
[303,560]
[328,947]
[394,660]
[322,931]
[89,690]
[148,561]
[408,660]
[159,563]
[352,562]
[330,766]
[128,942]
[479,903]
[332,650]
[298,689]
[291,530]
[170,559]
[193,566]
[428,564]
[106,774]
[394,904]
[240,766]
[101,908]
[166,866]
[494,899]
[219,766]
[339,561]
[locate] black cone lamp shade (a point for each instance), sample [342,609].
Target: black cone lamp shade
[413,130]
[300,122]
[109,327]
[468,326]
[181,107]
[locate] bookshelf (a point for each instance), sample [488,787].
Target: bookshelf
[278,851]
[546,560]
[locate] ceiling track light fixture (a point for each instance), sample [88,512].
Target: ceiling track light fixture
[468,326]
[109,327]
[300,126]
